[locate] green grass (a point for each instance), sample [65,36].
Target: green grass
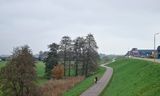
[134,78]
[85,84]
[72,72]
[2,63]
[40,69]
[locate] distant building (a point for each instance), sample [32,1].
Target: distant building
[158,52]
[134,52]
[144,53]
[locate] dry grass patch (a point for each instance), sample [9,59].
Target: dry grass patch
[58,87]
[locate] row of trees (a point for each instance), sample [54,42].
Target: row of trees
[18,77]
[79,56]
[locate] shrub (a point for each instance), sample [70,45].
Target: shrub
[58,71]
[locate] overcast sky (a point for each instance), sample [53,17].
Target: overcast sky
[118,25]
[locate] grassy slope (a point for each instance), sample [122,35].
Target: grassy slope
[85,84]
[134,78]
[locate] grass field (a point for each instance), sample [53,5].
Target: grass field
[134,78]
[40,68]
[85,84]
[2,63]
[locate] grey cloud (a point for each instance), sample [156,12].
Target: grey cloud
[40,22]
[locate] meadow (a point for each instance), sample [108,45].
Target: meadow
[79,85]
[134,77]
[2,63]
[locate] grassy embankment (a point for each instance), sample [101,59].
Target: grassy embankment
[134,77]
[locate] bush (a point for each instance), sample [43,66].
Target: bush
[58,71]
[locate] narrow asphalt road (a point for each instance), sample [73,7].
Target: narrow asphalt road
[96,89]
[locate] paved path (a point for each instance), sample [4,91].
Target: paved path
[96,89]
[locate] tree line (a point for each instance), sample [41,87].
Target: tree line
[79,56]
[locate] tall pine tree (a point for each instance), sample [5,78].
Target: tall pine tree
[51,60]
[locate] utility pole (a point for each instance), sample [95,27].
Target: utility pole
[155,46]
